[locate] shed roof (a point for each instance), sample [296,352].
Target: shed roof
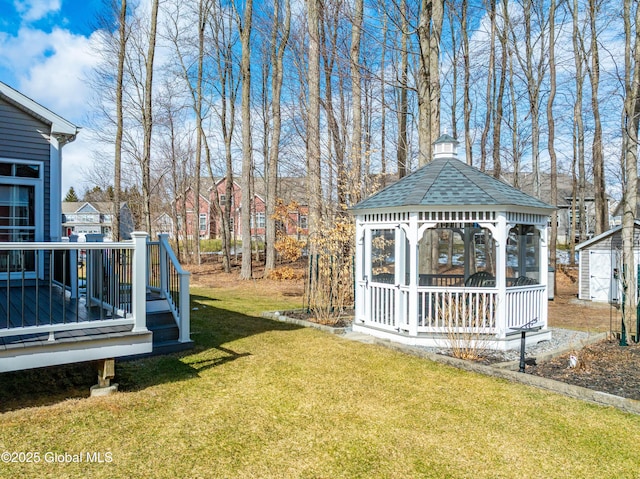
[450,182]
[601,236]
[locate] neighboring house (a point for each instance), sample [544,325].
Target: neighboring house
[291,191]
[64,302]
[600,264]
[83,217]
[565,201]
[616,214]
[163,225]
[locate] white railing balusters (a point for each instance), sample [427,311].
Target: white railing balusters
[57,280]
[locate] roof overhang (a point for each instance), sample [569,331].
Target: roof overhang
[601,236]
[62,129]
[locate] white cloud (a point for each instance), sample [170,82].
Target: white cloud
[32,10]
[52,69]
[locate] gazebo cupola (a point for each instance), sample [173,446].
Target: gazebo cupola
[449,250]
[445,147]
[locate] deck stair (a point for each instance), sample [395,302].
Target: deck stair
[162,324]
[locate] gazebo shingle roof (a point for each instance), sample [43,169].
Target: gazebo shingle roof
[449,182]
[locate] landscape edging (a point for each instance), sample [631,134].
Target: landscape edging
[570,390]
[276,315]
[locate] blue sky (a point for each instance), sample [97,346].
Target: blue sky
[45,53]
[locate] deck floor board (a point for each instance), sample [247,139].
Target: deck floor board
[46,309]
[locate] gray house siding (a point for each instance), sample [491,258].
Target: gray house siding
[22,137]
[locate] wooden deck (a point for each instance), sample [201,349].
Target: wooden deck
[41,305]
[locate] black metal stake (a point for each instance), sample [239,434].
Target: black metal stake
[522,347]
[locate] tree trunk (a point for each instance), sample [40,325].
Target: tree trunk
[601,213]
[429,31]
[147,116]
[551,136]
[490,73]
[313,119]
[356,95]
[468,140]
[117,176]
[630,141]
[245,184]
[403,109]
[497,119]
[277,55]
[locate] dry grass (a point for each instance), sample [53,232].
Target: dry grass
[261,399]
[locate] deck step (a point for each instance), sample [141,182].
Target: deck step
[163,327]
[168,347]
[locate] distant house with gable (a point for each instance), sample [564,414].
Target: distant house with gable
[96,217]
[291,191]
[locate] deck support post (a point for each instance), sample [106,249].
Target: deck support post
[106,372]
[139,281]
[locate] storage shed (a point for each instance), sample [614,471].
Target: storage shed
[600,261]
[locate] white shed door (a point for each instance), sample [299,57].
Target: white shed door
[599,275]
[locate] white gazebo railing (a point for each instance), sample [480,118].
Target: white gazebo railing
[440,309]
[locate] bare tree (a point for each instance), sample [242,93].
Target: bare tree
[247,164]
[630,160]
[313,117]
[428,83]
[551,134]
[503,35]
[602,222]
[489,95]
[402,91]
[356,95]
[468,142]
[147,117]
[117,176]
[532,63]
[578,194]
[277,65]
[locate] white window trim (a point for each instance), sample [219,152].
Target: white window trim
[38,184]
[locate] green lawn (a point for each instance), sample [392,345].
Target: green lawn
[261,399]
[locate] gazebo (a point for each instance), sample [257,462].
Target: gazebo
[449,250]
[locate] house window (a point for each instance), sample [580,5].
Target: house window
[259,220]
[304,222]
[21,211]
[203,222]
[223,200]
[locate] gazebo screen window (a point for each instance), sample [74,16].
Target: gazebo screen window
[484,251]
[383,266]
[523,257]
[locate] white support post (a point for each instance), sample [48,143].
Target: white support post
[139,280]
[185,309]
[501,233]
[544,273]
[397,251]
[164,272]
[367,276]
[413,274]
[359,264]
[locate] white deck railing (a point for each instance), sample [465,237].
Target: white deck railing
[167,278]
[53,287]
